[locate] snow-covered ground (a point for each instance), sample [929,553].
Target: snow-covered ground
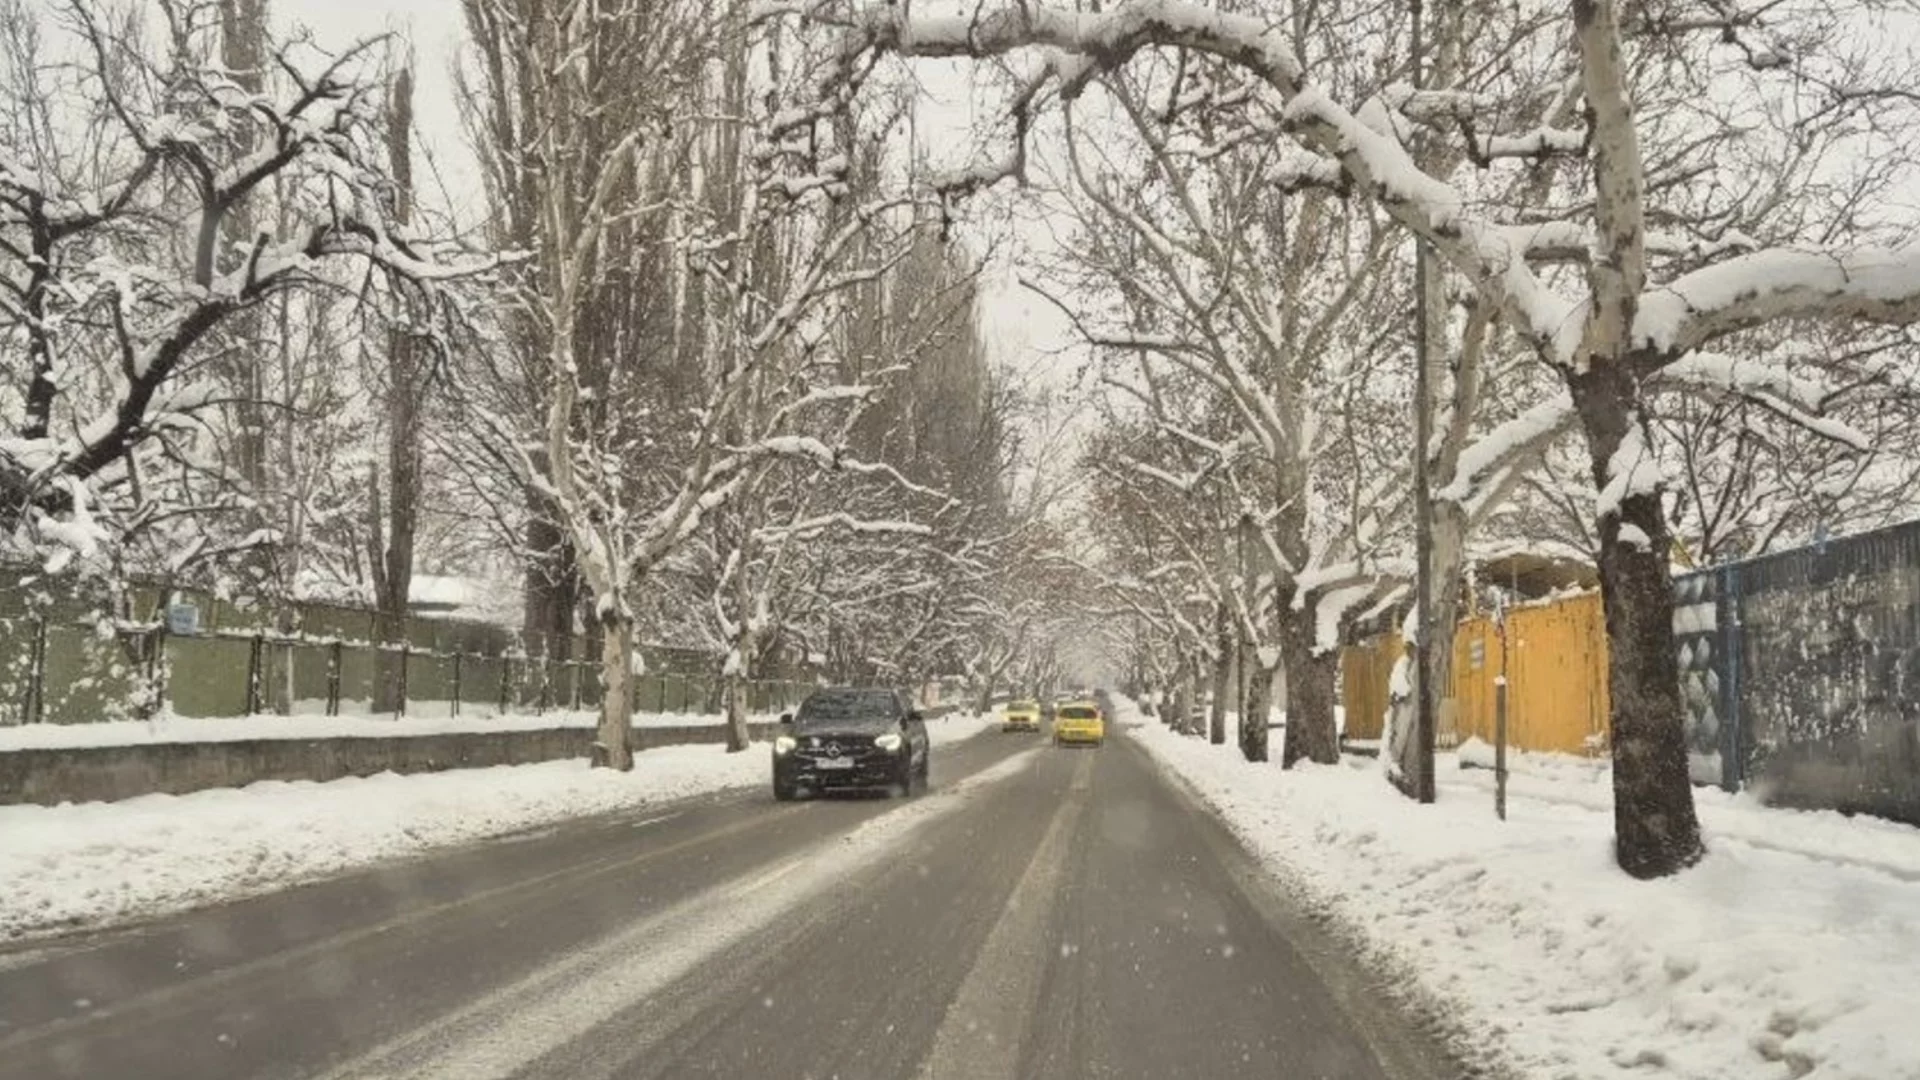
[1792,950]
[98,864]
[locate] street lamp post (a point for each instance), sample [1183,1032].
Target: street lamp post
[1423,733]
[1242,670]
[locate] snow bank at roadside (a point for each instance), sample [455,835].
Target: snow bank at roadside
[96,864]
[1790,951]
[101,863]
[1827,835]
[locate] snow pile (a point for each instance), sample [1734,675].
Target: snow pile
[953,727]
[1873,843]
[1790,951]
[102,863]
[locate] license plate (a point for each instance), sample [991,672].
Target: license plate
[834,763]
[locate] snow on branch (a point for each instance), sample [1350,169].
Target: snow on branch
[1541,142]
[814,526]
[807,448]
[1295,169]
[1880,284]
[1796,399]
[1574,242]
[1482,461]
[1341,576]
[1185,484]
[1633,470]
[1369,152]
[1429,106]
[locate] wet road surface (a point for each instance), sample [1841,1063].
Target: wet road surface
[1041,913]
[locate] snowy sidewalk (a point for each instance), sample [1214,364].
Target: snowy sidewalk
[98,864]
[1792,951]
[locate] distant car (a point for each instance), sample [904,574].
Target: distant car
[1081,723]
[849,738]
[1021,716]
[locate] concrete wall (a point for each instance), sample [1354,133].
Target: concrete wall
[105,773]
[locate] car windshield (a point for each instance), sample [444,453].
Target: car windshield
[839,710]
[1078,712]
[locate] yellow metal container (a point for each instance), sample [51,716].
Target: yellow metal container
[1554,655]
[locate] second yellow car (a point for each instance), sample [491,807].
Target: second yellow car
[1021,716]
[1079,722]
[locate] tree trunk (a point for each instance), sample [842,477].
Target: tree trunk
[551,587]
[1449,565]
[244,54]
[1255,710]
[740,673]
[394,575]
[1312,733]
[738,686]
[243,51]
[1223,677]
[613,748]
[1655,830]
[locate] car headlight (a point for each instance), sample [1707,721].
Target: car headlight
[889,741]
[784,744]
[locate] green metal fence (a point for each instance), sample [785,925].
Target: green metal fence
[61,671]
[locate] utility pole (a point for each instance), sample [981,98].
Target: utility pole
[1242,670]
[1423,725]
[1500,716]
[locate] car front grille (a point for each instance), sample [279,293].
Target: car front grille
[821,747]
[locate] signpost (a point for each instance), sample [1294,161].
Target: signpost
[183,619]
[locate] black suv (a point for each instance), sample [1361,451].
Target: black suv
[847,738]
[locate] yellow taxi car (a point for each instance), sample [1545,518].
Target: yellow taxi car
[1021,716]
[1079,722]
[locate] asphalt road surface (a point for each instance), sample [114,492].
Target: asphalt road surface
[1041,913]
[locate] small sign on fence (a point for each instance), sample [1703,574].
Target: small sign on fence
[183,620]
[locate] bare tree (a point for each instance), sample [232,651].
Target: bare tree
[410,371]
[1613,328]
[133,335]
